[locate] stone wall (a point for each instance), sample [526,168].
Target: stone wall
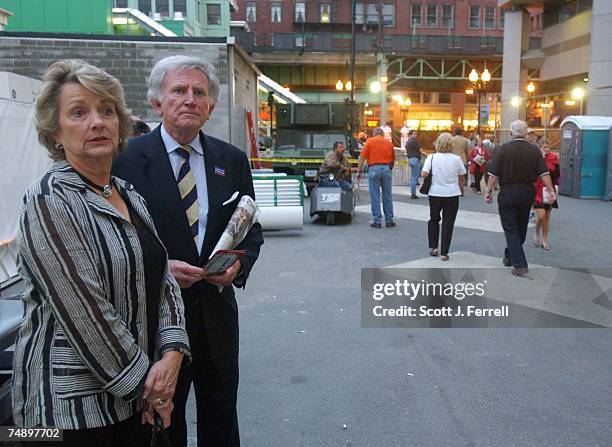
[131,60]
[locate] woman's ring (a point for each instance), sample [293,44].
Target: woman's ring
[160,401]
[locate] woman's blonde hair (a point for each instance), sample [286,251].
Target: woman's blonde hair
[94,79]
[444,142]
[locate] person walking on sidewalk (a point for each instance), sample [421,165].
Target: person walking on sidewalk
[517,165]
[543,208]
[461,147]
[379,154]
[479,156]
[414,153]
[447,171]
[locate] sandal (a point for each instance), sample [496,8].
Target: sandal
[433,252]
[546,247]
[444,258]
[537,243]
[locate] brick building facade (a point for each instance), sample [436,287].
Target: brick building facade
[429,47]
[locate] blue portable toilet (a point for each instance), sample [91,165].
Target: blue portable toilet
[584,156]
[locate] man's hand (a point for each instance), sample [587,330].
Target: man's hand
[185,274]
[161,381]
[225,278]
[488,198]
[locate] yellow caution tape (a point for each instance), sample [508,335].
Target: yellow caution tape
[309,160]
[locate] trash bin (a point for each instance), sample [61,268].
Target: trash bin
[584,156]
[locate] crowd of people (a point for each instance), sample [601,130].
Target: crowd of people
[524,171]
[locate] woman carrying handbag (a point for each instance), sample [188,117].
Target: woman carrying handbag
[479,156]
[444,171]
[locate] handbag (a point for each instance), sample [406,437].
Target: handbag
[424,189]
[159,436]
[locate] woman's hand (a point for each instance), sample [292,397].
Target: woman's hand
[164,410]
[161,381]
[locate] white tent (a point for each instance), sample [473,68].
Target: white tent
[22,159]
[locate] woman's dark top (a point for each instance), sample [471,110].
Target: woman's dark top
[154,258]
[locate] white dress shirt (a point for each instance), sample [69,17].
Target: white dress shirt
[196,164]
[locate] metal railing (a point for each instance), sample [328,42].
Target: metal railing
[398,43]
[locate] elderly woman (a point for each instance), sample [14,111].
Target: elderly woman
[103,335]
[447,171]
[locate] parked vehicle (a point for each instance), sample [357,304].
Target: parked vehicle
[306,132]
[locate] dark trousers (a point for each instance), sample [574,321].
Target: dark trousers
[448,206]
[514,203]
[128,433]
[215,393]
[478,177]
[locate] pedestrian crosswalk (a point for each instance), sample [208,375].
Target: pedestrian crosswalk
[572,294]
[467,219]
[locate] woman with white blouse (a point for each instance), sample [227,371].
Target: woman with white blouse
[447,181]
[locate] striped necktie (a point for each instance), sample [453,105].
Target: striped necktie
[189,193]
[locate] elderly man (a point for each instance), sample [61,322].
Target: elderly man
[190,180]
[337,166]
[516,166]
[379,153]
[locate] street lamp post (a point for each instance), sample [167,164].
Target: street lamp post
[479,81]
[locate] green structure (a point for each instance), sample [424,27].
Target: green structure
[205,18]
[60,16]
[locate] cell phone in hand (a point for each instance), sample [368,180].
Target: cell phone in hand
[222,260]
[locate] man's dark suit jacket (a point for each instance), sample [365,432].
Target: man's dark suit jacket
[145,164]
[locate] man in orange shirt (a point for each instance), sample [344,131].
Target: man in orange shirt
[379,153]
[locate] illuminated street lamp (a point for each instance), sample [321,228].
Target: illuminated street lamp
[531,88]
[515,101]
[343,86]
[479,82]
[375,86]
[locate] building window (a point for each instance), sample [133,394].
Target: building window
[213,14]
[502,18]
[300,42]
[251,12]
[180,6]
[325,10]
[371,14]
[300,12]
[162,7]
[275,12]
[120,4]
[415,98]
[474,17]
[428,98]
[432,16]
[489,19]
[447,16]
[144,6]
[415,15]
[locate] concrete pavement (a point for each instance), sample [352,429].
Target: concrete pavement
[311,376]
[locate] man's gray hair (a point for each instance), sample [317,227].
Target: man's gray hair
[378,132]
[180,62]
[518,129]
